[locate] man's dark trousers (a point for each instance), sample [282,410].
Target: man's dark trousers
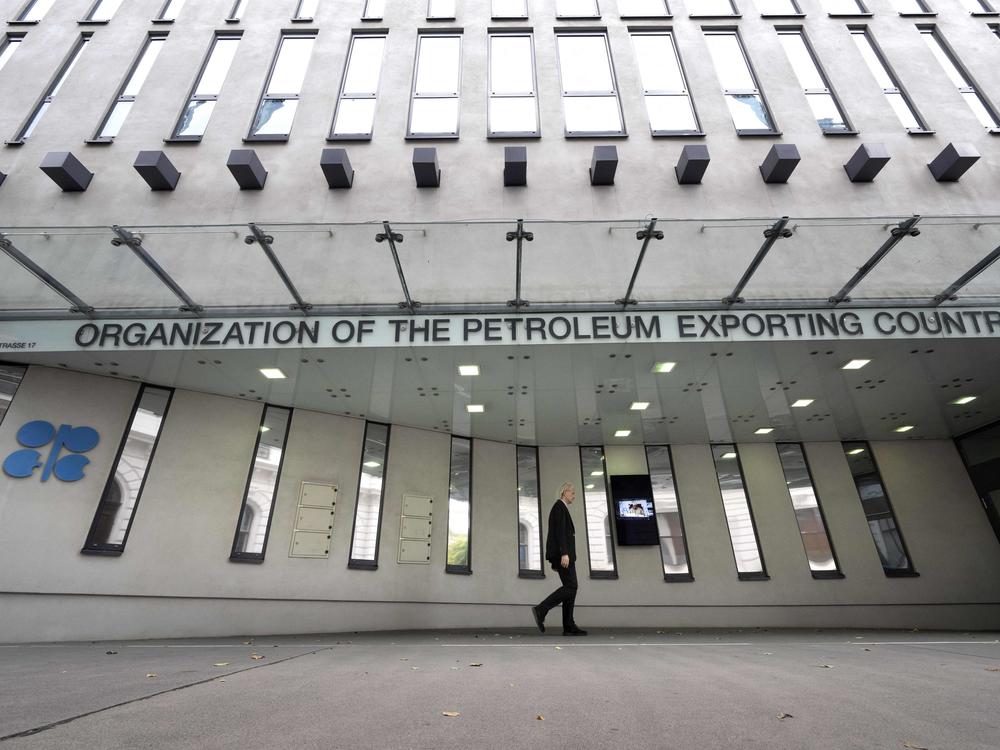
[565,595]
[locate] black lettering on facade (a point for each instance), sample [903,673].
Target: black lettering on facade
[879,318]
[86,335]
[628,327]
[776,321]
[235,333]
[158,335]
[992,320]
[729,323]
[111,331]
[928,325]
[952,323]
[565,326]
[343,331]
[183,332]
[973,315]
[134,334]
[647,329]
[364,328]
[827,324]
[685,324]
[494,329]
[599,326]
[534,325]
[908,323]
[309,330]
[210,330]
[469,327]
[758,324]
[851,324]
[708,324]
[253,325]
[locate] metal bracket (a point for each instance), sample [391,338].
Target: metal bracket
[903,229]
[777,231]
[134,243]
[392,238]
[265,241]
[950,294]
[649,233]
[520,236]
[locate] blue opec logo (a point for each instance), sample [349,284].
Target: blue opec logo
[38,434]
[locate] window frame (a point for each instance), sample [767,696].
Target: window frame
[732,4]
[51,88]
[467,568]
[24,368]
[258,557]
[120,97]
[926,10]
[635,31]
[671,577]
[20,20]
[922,127]
[828,90]
[280,96]
[971,85]
[751,576]
[595,14]
[817,574]
[774,130]
[961,445]
[161,16]
[297,17]
[506,17]
[529,572]
[377,33]
[8,39]
[909,572]
[797,11]
[863,11]
[438,33]
[490,95]
[192,97]
[446,17]
[116,550]
[354,563]
[598,574]
[89,18]
[235,14]
[988,9]
[364,12]
[667,14]
[615,92]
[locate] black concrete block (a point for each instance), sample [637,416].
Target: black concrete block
[515,166]
[953,162]
[247,169]
[336,168]
[425,167]
[157,170]
[691,166]
[779,163]
[603,165]
[867,162]
[66,171]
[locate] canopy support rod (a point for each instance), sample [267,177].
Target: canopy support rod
[78,305]
[520,236]
[265,241]
[949,294]
[901,230]
[775,232]
[647,234]
[392,238]
[133,243]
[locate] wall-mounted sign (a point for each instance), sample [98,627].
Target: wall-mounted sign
[499,330]
[39,434]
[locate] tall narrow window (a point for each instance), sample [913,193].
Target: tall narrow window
[441,10]
[460,507]
[109,530]
[273,121]
[170,10]
[878,510]
[643,9]
[912,7]
[822,101]
[779,8]
[513,107]
[712,8]
[589,89]
[747,106]
[103,10]
[668,101]
[355,115]
[306,10]
[34,11]
[808,513]
[600,547]
[529,514]
[236,13]
[979,7]
[437,74]
[371,491]
[669,521]
[897,97]
[577,9]
[10,379]
[115,117]
[739,514]
[846,8]
[9,46]
[509,9]
[981,107]
[201,101]
[373,10]
[53,88]
[254,523]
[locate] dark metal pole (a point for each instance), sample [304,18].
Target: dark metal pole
[520,235]
[125,237]
[949,294]
[265,241]
[392,238]
[79,306]
[901,230]
[647,234]
[776,232]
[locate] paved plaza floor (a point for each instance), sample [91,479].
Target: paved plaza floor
[704,689]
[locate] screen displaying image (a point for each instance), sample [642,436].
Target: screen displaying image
[635,508]
[635,515]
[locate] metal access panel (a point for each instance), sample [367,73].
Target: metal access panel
[415,529]
[312,533]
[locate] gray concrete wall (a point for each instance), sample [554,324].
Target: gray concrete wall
[175,577]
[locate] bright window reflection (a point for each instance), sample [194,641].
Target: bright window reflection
[104,10]
[712,8]
[746,103]
[595,501]
[899,102]
[356,109]
[306,9]
[739,516]
[373,9]
[805,503]
[371,487]
[825,108]
[459,505]
[194,119]
[577,9]
[57,83]
[642,8]
[277,107]
[590,98]
[512,106]
[8,49]
[911,6]
[844,7]
[529,520]
[171,10]
[238,9]
[434,108]
[258,500]
[669,522]
[441,8]
[510,9]
[667,100]
[35,10]
[778,7]
[977,103]
[133,84]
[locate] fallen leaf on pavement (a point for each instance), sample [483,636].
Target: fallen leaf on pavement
[221,664]
[415,669]
[914,747]
[111,652]
[256,657]
[247,643]
[782,715]
[476,664]
[824,666]
[151,674]
[450,713]
[993,669]
[867,649]
[540,717]
[222,680]
[768,653]
[558,648]
[455,668]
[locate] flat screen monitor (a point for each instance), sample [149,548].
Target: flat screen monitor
[635,516]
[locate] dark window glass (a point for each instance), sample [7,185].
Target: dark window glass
[10,379]
[808,513]
[371,490]
[53,89]
[201,101]
[739,514]
[460,507]
[981,452]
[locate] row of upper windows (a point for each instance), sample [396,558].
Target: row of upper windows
[103,11]
[590,94]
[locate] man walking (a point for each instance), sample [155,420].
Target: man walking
[560,551]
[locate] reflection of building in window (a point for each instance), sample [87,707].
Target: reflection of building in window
[253,530]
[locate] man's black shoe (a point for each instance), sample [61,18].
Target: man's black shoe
[539,618]
[575,631]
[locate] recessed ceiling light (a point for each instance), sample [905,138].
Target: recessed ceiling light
[272,372]
[475,408]
[855,452]
[639,405]
[764,431]
[468,370]
[588,486]
[904,428]
[964,400]
[597,473]
[728,455]
[802,402]
[663,366]
[623,433]
[856,364]
[372,464]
